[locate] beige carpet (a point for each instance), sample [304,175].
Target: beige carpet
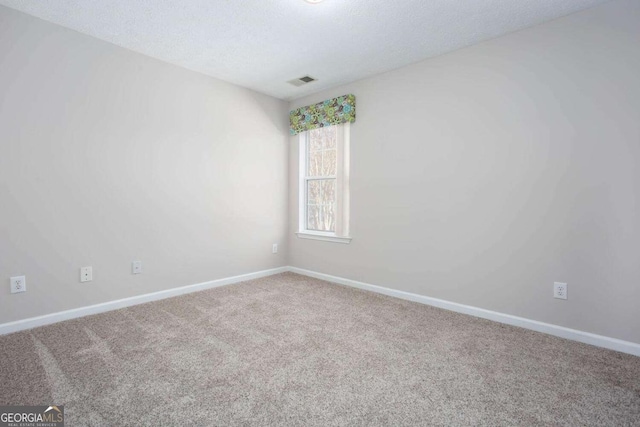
[291,350]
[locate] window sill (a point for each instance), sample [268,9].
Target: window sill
[323,237]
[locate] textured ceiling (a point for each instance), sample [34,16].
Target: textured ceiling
[261,44]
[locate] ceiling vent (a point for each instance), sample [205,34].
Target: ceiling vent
[302,81]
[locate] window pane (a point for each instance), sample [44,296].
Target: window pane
[314,160]
[321,205]
[322,151]
[329,163]
[321,218]
[315,139]
[321,191]
[323,138]
[312,217]
[330,137]
[313,192]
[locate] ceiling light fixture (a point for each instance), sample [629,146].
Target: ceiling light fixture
[313,1]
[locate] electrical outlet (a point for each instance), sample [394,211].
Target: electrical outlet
[560,290]
[274,249]
[18,284]
[136,267]
[86,274]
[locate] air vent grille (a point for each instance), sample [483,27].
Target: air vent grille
[302,81]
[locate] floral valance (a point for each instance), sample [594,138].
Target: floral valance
[330,112]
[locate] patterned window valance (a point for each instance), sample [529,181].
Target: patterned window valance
[330,112]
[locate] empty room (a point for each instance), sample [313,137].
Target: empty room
[319,213]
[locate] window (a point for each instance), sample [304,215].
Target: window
[324,184]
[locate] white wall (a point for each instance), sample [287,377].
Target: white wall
[483,176]
[107,156]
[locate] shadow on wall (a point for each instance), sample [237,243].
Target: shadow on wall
[266,104]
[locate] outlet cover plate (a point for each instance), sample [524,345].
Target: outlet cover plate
[18,284]
[560,290]
[136,267]
[86,274]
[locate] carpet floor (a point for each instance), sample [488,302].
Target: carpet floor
[289,350]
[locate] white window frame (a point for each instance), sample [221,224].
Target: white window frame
[341,235]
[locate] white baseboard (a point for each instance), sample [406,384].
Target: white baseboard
[47,319]
[547,328]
